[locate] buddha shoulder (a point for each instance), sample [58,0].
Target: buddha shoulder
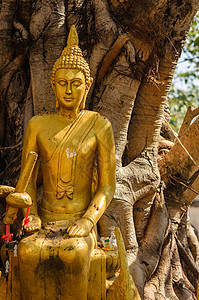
[101,120]
[102,127]
[39,121]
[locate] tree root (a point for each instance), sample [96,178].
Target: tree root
[169,280]
[193,243]
[152,242]
[182,286]
[187,259]
[155,287]
[150,249]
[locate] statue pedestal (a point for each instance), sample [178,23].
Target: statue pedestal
[2,287]
[11,285]
[97,275]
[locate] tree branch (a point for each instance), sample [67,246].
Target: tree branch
[111,56]
[191,113]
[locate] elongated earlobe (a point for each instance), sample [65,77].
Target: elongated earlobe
[56,103]
[83,103]
[56,100]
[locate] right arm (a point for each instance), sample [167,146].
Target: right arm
[30,144]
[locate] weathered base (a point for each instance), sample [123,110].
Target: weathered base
[2,287]
[103,265]
[10,289]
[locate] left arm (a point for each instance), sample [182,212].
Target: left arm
[106,182]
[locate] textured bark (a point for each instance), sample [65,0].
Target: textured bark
[132,48]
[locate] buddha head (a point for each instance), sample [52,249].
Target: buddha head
[72,66]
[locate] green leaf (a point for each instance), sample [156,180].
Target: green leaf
[196,42]
[184,90]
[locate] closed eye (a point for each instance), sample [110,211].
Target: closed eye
[77,82]
[62,82]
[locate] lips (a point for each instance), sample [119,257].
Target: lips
[68,99]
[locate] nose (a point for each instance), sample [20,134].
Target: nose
[68,88]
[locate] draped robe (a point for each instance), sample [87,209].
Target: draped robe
[54,263]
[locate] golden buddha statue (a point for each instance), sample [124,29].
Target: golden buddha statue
[54,258]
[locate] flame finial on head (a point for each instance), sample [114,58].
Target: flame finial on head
[72,58]
[73,39]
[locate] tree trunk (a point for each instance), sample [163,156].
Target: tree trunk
[132,48]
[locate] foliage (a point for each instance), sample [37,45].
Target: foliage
[185,87]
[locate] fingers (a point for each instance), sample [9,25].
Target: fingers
[77,231]
[72,230]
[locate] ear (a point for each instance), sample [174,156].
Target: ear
[56,103]
[89,86]
[53,86]
[83,103]
[90,83]
[54,90]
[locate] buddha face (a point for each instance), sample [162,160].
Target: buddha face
[70,88]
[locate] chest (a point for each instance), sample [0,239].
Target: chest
[70,144]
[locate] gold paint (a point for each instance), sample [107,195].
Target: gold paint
[3,287]
[58,259]
[112,263]
[17,198]
[198,291]
[123,287]
[5,190]
[72,58]
[97,276]
[54,261]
